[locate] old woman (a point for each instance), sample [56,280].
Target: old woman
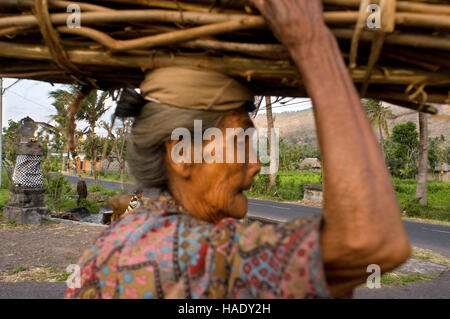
[189,242]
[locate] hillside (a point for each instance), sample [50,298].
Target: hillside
[299,127]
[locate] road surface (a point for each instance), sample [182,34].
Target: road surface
[428,236]
[429,289]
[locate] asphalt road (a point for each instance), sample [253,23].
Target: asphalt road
[430,289]
[32,290]
[428,236]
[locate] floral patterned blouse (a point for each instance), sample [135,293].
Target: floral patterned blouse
[159,251]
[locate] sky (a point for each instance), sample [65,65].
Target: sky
[31,98]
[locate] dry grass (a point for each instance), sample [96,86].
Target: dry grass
[429,255]
[38,273]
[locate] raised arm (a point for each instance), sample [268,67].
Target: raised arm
[362,221]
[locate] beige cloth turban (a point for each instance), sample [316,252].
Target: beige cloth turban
[194,89]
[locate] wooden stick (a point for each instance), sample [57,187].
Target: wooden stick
[360,24]
[29,4]
[407,6]
[413,40]
[402,18]
[426,108]
[271,51]
[164,39]
[129,16]
[242,67]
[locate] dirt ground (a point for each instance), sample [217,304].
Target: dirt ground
[54,245]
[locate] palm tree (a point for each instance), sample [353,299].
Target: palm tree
[62,100]
[378,116]
[92,109]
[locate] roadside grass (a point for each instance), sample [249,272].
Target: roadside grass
[16,270]
[4,197]
[427,221]
[395,278]
[429,255]
[35,273]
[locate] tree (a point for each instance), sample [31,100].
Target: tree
[61,103]
[378,116]
[92,109]
[401,150]
[270,127]
[437,152]
[10,142]
[119,146]
[421,189]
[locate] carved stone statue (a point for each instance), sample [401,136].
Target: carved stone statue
[26,203]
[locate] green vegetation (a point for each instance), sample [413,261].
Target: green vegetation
[101,190]
[18,269]
[289,185]
[438,206]
[62,196]
[429,255]
[4,197]
[290,188]
[395,278]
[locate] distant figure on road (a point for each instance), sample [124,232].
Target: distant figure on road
[81,190]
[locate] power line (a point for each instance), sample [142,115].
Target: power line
[293,104]
[31,101]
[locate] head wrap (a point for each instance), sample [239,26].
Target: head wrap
[195,89]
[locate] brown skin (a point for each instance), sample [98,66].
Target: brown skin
[213,191]
[362,222]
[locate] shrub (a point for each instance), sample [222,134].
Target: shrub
[5,179]
[94,188]
[57,186]
[289,185]
[91,205]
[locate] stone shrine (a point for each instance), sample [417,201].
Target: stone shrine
[26,203]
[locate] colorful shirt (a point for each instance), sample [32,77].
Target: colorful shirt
[160,251]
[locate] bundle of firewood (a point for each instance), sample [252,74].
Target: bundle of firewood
[397,51]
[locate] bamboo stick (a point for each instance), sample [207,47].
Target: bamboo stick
[413,40]
[164,39]
[407,6]
[272,51]
[61,4]
[242,67]
[332,18]
[127,16]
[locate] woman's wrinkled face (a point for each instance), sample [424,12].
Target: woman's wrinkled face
[213,190]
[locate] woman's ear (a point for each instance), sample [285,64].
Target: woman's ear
[178,158]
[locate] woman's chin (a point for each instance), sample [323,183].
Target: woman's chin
[240,206]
